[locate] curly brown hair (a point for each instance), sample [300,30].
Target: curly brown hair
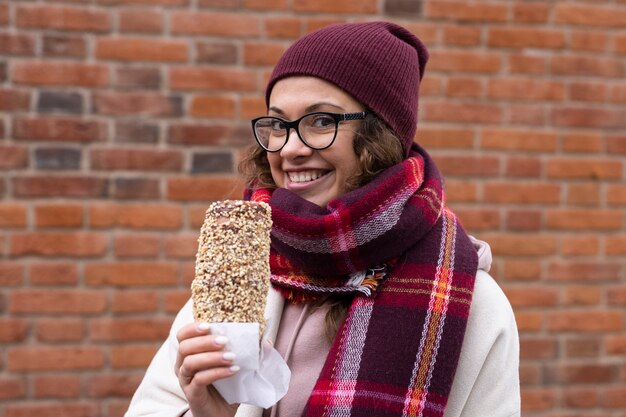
[375,144]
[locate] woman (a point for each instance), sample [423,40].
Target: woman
[384,303]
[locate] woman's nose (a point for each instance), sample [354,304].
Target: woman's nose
[294,146]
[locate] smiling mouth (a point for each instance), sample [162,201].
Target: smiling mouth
[306,176]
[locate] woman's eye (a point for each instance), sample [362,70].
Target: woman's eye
[323,121]
[278,125]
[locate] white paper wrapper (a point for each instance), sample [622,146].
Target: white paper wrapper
[264,376]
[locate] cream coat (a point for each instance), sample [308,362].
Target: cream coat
[486,383]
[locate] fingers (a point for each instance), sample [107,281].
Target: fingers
[207,361]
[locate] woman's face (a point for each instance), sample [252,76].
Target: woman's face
[317,176]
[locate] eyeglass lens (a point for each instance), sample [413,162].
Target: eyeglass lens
[316,130]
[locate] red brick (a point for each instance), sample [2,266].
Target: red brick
[428,32]
[129,329]
[464,87]
[136,159]
[237,25]
[64,46]
[522,193]
[531,13]
[57,301]
[166,3]
[282,27]
[262,53]
[620,43]
[76,244]
[129,301]
[517,37]
[14,100]
[582,373]
[16,44]
[140,104]
[587,219]
[131,274]
[144,78]
[586,321]
[526,89]
[112,385]
[617,295]
[584,194]
[468,165]
[461,35]
[583,169]
[584,271]
[432,86]
[12,387]
[582,142]
[12,157]
[63,18]
[181,246]
[462,61]
[523,220]
[586,347]
[57,73]
[58,215]
[266,4]
[522,166]
[141,20]
[615,397]
[618,93]
[214,106]
[527,64]
[587,66]
[586,40]
[137,246]
[57,273]
[132,356]
[582,295]
[523,140]
[211,135]
[616,144]
[136,216]
[445,138]
[521,244]
[462,113]
[538,348]
[203,189]
[580,245]
[57,386]
[187,275]
[55,129]
[175,300]
[589,15]
[522,270]
[588,91]
[462,11]
[11,273]
[141,49]
[581,398]
[193,78]
[60,330]
[195,216]
[532,296]
[615,245]
[535,399]
[26,358]
[529,374]
[12,215]
[529,321]
[527,114]
[616,194]
[615,344]
[4,14]
[46,409]
[12,330]
[329,6]
[136,188]
[117,408]
[59,186]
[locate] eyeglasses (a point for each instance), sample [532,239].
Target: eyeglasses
[316,130]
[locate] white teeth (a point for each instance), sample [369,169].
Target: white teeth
[305,176]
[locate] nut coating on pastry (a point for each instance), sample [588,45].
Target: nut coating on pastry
[232,264]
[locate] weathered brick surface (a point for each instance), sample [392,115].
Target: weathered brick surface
[121,120]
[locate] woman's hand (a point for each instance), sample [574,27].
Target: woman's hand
[201,360]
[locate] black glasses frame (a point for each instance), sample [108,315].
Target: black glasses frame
[337,117]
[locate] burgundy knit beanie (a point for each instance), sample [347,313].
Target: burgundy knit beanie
[378,63]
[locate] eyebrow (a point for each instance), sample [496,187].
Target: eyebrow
[308,109]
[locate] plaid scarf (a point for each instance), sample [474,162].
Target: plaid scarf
[397,351]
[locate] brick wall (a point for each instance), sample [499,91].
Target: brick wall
[122,119]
